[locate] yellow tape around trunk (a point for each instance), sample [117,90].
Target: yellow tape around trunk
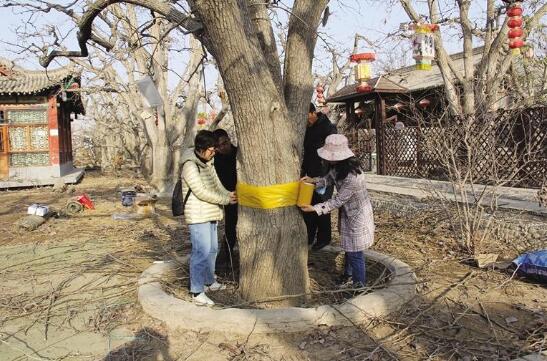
[267,197]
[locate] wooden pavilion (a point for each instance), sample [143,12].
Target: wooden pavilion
[397,118]
[36,110]
[397,96]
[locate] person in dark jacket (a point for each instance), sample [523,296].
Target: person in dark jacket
[318,129]
[225,166]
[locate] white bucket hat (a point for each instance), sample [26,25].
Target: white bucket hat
[335,148]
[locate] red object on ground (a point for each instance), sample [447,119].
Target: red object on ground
[85,201]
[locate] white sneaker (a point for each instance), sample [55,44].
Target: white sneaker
[202,300]
[215,287]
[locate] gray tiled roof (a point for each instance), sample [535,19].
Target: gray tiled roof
[414,79]
[408,78]
[22,81]
[379,85]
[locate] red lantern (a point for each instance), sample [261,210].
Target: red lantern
[398,106]
[516,44]
[320,97]
[424,103]
[363,70]
[515,22]
[515,33]
[514,12]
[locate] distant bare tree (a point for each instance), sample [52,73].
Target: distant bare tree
[134,50]
[481,85]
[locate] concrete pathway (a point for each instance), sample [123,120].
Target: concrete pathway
[524,199]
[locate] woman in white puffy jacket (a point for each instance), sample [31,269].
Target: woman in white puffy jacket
[204,196]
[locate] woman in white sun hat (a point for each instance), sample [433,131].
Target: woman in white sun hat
[356,223]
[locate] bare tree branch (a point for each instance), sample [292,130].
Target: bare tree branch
[86,21]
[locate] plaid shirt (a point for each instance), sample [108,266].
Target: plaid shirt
[355,222]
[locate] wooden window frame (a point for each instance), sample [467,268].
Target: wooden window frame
[28,138]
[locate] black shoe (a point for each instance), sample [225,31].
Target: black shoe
[319,246]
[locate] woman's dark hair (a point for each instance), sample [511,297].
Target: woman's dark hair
[204,139]
[347,166]
[312,108]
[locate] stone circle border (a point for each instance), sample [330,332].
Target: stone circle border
[180,314]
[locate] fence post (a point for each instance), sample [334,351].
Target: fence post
[379,123]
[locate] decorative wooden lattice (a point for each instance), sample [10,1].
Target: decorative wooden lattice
[28,137]
[362,143]
[401,152]
[508,148]
[27,116]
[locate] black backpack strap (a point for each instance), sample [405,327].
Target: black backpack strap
[186,197]
[189,190]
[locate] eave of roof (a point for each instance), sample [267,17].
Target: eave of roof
[408,78]
[379,84]
[21,81]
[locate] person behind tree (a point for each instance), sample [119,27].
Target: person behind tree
[225,166]
[318,128]
[356,222]
[205,193]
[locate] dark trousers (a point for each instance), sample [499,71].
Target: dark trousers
[319,227]
[230,223]
[355,267]
[227,243]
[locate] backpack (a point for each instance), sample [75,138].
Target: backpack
[177,203]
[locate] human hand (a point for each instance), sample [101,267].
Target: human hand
[308,179]
[233,198]
[307,208]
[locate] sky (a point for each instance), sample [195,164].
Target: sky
[373,19]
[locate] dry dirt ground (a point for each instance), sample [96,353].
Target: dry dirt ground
[68,291]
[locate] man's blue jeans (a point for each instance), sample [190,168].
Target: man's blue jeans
[204,240]
[355,266]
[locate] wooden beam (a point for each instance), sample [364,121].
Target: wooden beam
[379,124]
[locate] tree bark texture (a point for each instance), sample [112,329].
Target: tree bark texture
[273,245]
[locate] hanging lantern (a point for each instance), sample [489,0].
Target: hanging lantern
[423,45]
[320,97]
[202,118]
[397,106]
[363,70]
[424,103]
[514,12]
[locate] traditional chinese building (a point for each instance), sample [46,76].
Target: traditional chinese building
[36,110]
[390,125]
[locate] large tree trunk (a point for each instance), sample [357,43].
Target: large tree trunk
[273,245]
[269,126]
